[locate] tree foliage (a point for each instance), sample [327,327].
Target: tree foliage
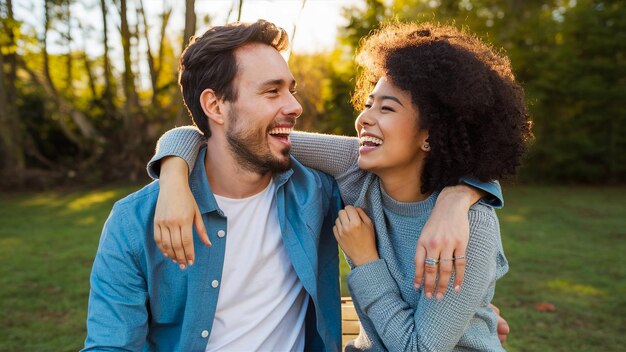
[74,116]
[568,55]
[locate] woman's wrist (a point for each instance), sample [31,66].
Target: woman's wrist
[173,170]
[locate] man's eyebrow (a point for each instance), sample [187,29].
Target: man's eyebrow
[384,97]
[277,82]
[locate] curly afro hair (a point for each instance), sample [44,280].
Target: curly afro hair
[465,93]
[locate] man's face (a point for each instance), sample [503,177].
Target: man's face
[265,111]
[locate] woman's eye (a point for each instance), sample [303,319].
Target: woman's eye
[367,105]
[387,108]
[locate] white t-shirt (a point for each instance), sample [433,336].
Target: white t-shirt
[261,304]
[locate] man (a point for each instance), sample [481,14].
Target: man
[277,289]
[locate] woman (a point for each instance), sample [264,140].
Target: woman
[438,104]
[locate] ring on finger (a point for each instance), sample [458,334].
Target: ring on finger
[431,261]
[459,257]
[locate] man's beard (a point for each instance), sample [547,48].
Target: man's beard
[251,150]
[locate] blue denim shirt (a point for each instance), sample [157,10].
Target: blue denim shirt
[139,300]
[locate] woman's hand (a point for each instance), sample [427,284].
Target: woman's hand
[443,241]
[355,233]
[176,212]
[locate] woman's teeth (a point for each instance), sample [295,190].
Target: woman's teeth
[369,140]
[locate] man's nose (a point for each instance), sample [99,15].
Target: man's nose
[292,108]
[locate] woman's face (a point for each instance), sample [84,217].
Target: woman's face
[388,131]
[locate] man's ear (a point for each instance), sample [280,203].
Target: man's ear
[212,106]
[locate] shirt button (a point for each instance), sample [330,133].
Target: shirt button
[205,334]
[215,283]
[221,233]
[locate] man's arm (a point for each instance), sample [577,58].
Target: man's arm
[117,318]
[446,234]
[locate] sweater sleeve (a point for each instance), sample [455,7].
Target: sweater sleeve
[432,325]
[183,142]
[331,154]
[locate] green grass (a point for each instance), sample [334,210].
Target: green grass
[565,246]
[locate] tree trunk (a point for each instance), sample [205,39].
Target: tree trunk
[10,133]
[161,55]
[182,118]
[44,51]
[88,64]
[154,76]
[131,111]
[69,66]
[107,94]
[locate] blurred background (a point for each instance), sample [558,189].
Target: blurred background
[88,86]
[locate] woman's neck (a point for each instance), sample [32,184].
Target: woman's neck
[403,185]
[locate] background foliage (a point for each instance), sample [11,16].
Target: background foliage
[74,116]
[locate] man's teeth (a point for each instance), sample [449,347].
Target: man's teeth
[281,130]
[366,139]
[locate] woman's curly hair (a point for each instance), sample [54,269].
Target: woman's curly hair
[465,93]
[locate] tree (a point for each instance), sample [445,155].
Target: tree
[182,117]
[11,136]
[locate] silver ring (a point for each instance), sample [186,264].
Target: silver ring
[431,261]
[459,257]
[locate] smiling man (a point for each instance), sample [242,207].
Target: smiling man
[275,286]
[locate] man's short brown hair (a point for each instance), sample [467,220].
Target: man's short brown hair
[209,62]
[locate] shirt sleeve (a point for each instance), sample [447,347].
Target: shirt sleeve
[433,325]
[494,196]
[117,317]
[183,142]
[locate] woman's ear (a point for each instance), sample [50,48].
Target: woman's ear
[212,106]
[424,144]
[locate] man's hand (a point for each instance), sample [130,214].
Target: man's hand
[176,212]
[503,326]
[443,241]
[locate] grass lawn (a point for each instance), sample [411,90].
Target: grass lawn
[566,246]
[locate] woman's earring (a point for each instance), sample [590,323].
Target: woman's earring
[426,146]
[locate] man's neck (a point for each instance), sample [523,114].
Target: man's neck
[227,178]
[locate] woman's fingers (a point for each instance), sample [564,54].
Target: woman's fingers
[177,246]
[363,216]
[420,257]
[459,267]
[431,267]
[199,224]
[445,270]
[186,235]
[166,243]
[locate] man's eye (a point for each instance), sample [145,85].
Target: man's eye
[368,105]
[273,91]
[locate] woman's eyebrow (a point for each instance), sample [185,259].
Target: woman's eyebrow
[390,97]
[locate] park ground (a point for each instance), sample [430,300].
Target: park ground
[565,291]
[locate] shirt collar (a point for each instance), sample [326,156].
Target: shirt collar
[201,189]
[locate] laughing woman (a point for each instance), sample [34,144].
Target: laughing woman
[437,105]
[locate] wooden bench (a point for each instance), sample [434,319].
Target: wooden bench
[350,324]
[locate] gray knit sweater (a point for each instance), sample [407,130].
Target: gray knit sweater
[394,316]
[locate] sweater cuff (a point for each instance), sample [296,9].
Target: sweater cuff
[182,142]
[370,281]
